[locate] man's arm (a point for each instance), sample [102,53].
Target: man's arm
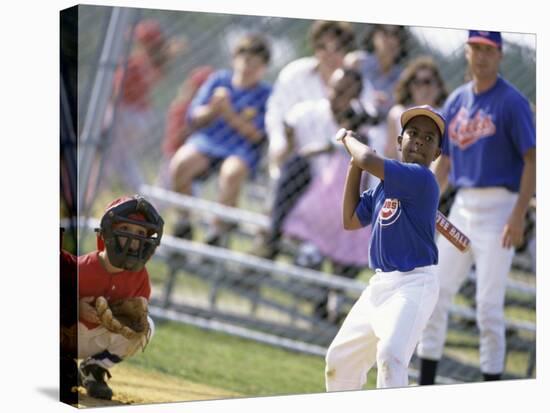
[512,234]
[363,156]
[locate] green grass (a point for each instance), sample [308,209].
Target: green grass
[464,346]
[231,363]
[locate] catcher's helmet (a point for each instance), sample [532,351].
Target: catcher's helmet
[133,210]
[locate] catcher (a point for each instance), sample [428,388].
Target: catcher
[114,289]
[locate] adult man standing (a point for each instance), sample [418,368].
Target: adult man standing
[489,154]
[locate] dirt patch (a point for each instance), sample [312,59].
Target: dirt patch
[132,385]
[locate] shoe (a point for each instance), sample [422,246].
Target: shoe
[213,237]
[92,378]
[264,250]
[183,229]
[320,311]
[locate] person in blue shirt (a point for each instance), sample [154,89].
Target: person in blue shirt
[489,154]
[385,323]
[227,119]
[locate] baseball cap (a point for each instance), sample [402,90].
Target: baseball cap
[481,37]
[424,110]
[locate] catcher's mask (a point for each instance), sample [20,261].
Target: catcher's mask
[134,210]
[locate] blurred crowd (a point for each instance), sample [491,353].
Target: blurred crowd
[231,124]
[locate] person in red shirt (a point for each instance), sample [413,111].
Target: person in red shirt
[177,128]
[129,233]
[131,120]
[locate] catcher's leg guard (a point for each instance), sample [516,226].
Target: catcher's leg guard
[92,377]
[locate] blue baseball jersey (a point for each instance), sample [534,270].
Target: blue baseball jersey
[402,211]
[218,139]
[487,135]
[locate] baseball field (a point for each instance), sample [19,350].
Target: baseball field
[184,363]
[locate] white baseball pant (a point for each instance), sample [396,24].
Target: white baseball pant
[99,340]
[480,213]
[382,327]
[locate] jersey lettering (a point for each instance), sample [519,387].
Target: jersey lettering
[464,131]
[390,211]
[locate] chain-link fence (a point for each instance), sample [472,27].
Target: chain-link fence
[258,244]
[207,39]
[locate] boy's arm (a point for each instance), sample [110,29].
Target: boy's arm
[203,115]
[363,157]
[441,168]
[242,124]
[206,105]
[351,197]
[221,107]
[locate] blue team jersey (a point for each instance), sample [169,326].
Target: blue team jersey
[402,211]
[218,139]
[487,135]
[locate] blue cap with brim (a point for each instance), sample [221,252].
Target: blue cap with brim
[482,37]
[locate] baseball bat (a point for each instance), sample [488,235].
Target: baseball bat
[452,233]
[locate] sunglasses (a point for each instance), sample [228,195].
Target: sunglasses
[330,47]
[427,81]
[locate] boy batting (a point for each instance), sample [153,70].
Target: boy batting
[385,323]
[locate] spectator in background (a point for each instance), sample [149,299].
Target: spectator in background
[130,117]
[304,79]
[227,119]
[177,128]
[419,84]
[301,80]
[381,63]
[316,218]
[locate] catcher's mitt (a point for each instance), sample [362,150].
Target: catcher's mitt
[127,317]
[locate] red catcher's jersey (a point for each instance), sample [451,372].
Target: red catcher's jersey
[95,281]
